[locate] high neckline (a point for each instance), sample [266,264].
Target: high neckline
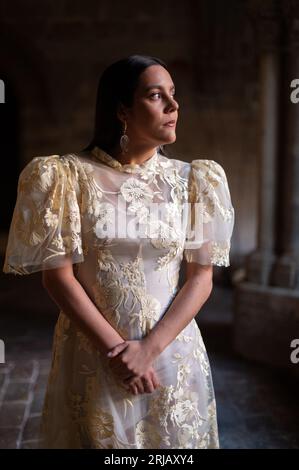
[105,157]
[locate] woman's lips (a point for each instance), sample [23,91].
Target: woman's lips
[170,124]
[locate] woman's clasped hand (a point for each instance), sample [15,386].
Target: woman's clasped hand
[131,363]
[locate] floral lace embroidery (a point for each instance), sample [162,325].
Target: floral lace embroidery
[126,290]
[64,211]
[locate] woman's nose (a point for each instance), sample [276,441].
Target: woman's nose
[174,104]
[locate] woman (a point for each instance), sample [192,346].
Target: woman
[109,227]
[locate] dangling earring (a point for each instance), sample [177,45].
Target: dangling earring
[124,140]
[160,148]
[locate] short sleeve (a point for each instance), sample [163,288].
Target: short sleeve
[211,215]
[45,230]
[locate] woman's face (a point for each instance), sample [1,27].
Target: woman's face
[154,105]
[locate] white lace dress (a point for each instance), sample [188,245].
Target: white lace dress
[127,256]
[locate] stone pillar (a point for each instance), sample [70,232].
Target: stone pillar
[260,262]
[286,272]
[266,305]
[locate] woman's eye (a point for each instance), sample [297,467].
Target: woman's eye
[154,94]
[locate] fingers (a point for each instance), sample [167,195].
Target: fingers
[155,380]
[137,386]
[140,386]
[117,349]
[148,385]
[144,384]
[133,385]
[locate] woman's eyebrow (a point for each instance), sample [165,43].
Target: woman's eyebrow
[158,86]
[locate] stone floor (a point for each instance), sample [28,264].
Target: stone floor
[22,388]
[257,406]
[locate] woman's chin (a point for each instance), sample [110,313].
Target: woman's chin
[169,137]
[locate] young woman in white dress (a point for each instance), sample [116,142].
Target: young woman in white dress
[129,366]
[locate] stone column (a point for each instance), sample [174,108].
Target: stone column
[267,23]
[286,273]
[266,305]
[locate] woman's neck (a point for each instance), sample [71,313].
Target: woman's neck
[133,155]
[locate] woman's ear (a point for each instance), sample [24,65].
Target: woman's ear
[121,113]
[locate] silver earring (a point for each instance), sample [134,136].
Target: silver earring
[124,140]
[160,148]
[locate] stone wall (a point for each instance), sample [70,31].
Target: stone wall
[52,54]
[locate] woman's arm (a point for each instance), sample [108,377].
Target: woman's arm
[194,293]
[70,296]
[187,303]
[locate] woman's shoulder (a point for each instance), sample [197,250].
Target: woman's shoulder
[208,167]
[199,167]
[45,172]
[50,163]
[39,168]
[195,163]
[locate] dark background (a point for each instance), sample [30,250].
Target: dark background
[232,62]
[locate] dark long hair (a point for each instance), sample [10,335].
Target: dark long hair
[117,85]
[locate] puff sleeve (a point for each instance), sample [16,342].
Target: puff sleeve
[45,230]
[211,215]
